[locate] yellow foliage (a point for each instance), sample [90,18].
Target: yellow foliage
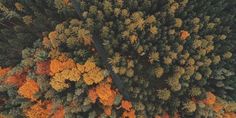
[58,84]
[133,39]
[68,70]
[140,23]
[52,36]
[153,30]
[190,106]
[89,65]
[19,6]
[39,110]
[85,36]
[178,22]
[27,19]
[93,76]
[159,71]
[150,19]
[58,80]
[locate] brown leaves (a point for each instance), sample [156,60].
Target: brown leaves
[43,67]
[17,79]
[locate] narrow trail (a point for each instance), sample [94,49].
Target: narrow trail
[104,57]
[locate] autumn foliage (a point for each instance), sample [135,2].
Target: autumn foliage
[117,59]
[43,67]
[105,94]
[126,105]
[57,65]
[184,35]
[17,79]
[60,113]
[3,71]
[92,95]
[69,70]
[210,99]
[29,89]
[129,114]
[39,110]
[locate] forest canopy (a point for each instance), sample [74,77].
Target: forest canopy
[117,59]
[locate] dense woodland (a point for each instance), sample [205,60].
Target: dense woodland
[117,59]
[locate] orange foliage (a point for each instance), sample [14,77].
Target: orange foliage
[92,95]
[165,115]
[157,116]
[66,1]
[4,71]
[43,67]
[17,79]
[70,63]
[106,94]
[129,114]
[46,42]
[57,66]
[176,115]
[218,107]
[39,110]
[60,113]
[29,89]
[108,110]
[126,105]
[184,35]
[109,80]
[210,99]
[2,116]
[52,35]
[229,115]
